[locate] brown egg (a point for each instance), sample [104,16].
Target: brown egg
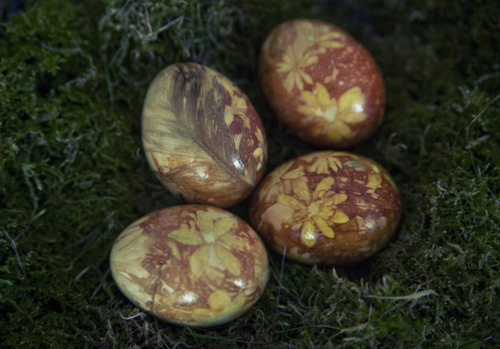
[190,265]
[202,136]
[322,84]
[327,208]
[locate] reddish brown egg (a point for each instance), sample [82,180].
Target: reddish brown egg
[327,208]
[322,84]
[190,265]
[202,137]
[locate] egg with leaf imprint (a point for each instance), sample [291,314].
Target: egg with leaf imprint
[327,208]
[322,83]
[202,136]
[193,265]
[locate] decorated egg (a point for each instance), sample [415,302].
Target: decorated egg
[326,208]
[192,265]
[322,84]
[202,137]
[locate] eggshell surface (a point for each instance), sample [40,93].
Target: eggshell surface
[323,84]
[327,208]
[202,136]
[190,265]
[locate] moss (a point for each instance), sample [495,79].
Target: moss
[73,175]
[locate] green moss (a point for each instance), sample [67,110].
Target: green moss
[73,175]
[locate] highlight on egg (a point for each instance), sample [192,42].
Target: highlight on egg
[322,83]
[327,208]
[202,136]
[192,265]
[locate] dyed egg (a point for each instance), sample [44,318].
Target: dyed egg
[190,265]
[327,208]
[322,84]
[202,137]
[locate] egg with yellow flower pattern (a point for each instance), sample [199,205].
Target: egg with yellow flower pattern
[327,208]
[202,137]
[322,83]
[192,265]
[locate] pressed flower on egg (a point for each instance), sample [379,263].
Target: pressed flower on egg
[334,116]
[315,210]
[214,238]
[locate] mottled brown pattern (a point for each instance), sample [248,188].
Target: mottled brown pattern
[202,136]
[322,83]
[191,264]
[327,208]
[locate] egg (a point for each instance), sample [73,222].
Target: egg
[322,83]
[192,265]
[202,136]
[328,208]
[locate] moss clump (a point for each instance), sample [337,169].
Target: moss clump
[73,175]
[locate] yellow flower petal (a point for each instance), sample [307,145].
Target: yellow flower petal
[339,198]
[223,225]
[290,201]
[353,117]
[338,131]
[288,61]
[228,116]
[219,300]
[298,81]
[174,249]
[326,210]
[307,78]
[186,236]
[330,35]
[320,166]
[311,59]
[302,191]
[340,217]
[232,241]
[283,67]
[240,104]
[204,220]
[227,258]
[343,130]
[310,98]
[352,101]
[307,110]
[260,135]
[324,185]
[332,44]
[198,260]
[296,173]
[323,96]
[308,234]
[257,152]
[334,163]
[289,81]
[323,226]
[374,181]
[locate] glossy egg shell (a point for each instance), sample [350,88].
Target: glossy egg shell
[190,265]
[327,208]
[323,84]
[201,135]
